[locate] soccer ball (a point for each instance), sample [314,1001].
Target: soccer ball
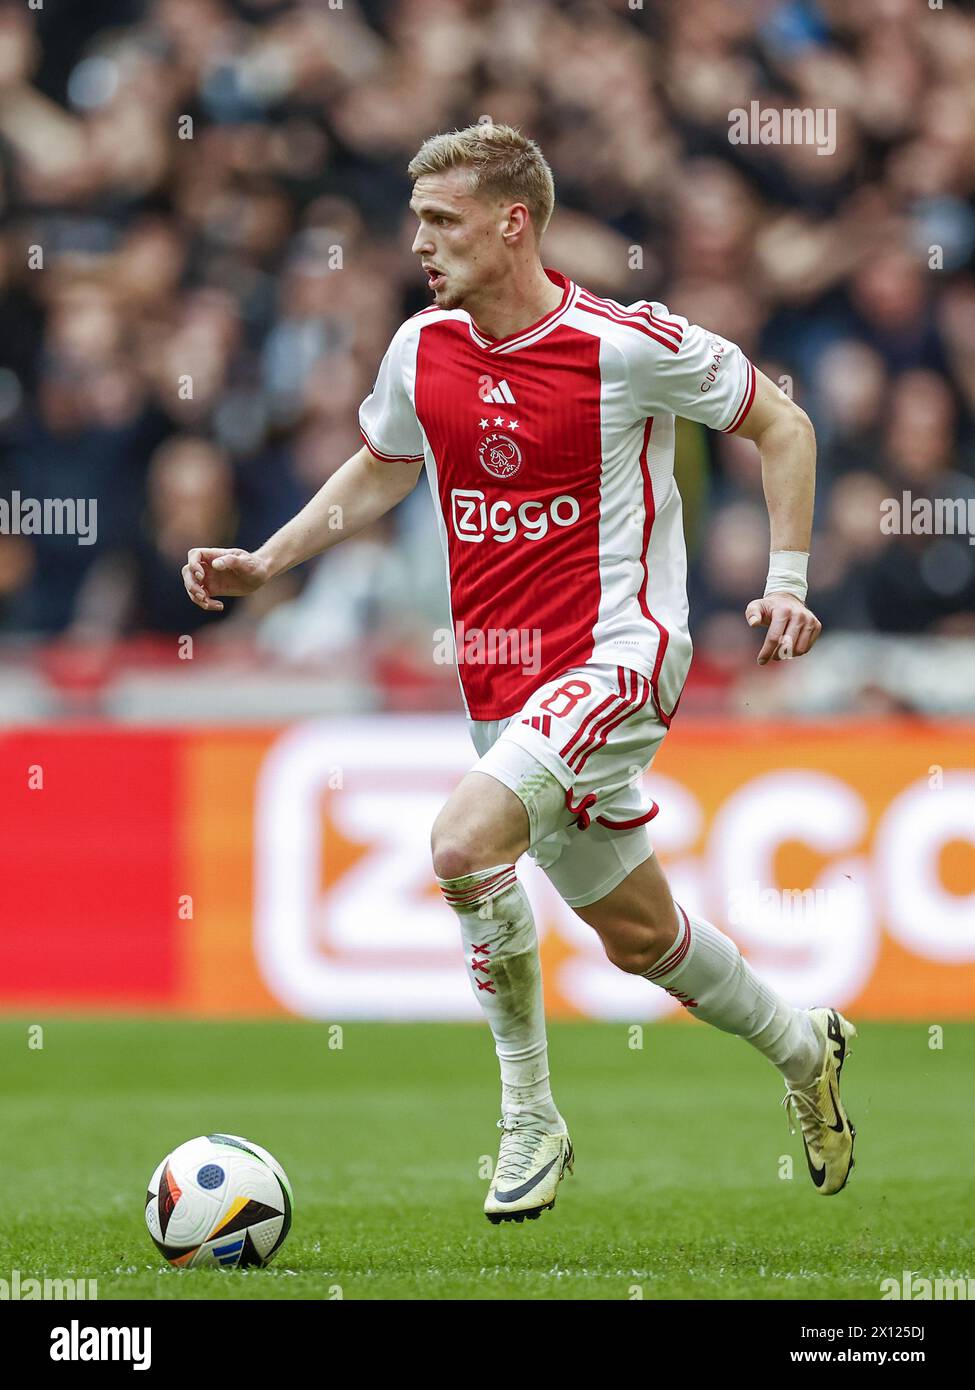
[219,1201]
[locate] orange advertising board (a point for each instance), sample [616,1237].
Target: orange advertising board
[258,872]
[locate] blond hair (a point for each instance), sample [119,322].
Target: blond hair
[501,161]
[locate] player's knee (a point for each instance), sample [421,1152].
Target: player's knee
[628,959]
[458,850]
[456,854]
[636,947]
[453,858]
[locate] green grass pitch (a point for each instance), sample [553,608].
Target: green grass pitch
[677,1192]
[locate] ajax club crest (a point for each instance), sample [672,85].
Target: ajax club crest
[499,455]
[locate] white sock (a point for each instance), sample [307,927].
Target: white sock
[706,972]
[505,972]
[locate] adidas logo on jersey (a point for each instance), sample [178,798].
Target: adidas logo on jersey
[502,394]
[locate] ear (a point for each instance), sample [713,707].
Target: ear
[516,224]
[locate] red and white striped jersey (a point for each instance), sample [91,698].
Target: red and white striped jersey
[550,459]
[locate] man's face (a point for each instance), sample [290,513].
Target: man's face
[459,240]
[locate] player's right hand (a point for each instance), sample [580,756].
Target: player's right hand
[213,570]
[792,627]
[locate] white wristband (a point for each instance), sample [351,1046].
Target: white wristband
[787,573]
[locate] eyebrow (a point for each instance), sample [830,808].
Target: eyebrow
[431,209]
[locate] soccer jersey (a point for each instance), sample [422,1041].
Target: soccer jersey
[550,459]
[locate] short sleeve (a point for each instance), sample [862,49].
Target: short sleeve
[683,369]
[387,419]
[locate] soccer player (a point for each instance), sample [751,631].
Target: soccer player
[544,417]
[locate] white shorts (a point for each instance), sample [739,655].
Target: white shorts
[574,755]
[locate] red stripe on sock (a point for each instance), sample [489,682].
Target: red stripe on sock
[467,897]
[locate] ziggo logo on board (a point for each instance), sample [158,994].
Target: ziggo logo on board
[377,941]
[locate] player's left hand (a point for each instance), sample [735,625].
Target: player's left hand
[792,627]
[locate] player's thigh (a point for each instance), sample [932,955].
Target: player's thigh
[587,867]
[516,759]
[616,886]
[482,820]
[637,913]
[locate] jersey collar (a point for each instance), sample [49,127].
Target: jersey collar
[525,336]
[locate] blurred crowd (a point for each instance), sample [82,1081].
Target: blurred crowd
[206,250]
